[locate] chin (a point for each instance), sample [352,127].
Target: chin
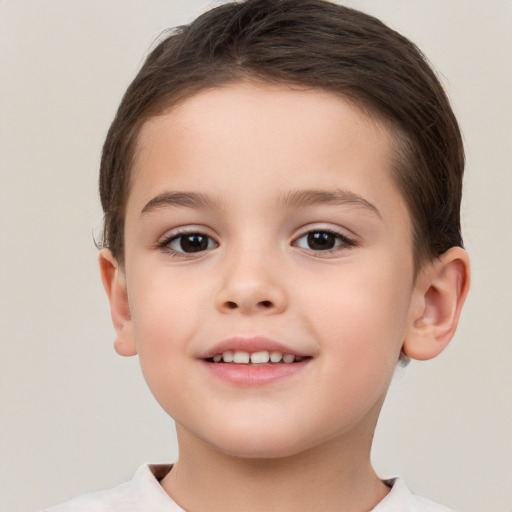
[258,443]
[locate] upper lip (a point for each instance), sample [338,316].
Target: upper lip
[250,345]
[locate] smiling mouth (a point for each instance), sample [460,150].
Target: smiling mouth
[263,357]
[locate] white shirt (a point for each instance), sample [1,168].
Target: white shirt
[144,493]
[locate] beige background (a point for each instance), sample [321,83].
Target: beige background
[76,417]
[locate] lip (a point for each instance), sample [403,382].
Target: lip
[249,375]
[253,375]
[250,344]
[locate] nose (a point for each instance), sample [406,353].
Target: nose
[252,286]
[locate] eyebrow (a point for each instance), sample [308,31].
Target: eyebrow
[292,199]
[303,198]
[186,199]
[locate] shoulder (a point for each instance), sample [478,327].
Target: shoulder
[142,491]
[106,500]
[400,499]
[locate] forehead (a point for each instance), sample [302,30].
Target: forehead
[260,134]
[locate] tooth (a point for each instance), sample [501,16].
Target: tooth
[260,357]
[227,356]
[217,358]
[275,357]
[288,358]
[241,357]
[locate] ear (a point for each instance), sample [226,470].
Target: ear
[439,294]
[114,282]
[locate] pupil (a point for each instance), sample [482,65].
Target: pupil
[194,243]
[321,241]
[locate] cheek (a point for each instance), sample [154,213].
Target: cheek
[161,328]
[163,317]
[363,313]
[362,325]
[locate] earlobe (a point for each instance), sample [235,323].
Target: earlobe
[114,282]
[439,295]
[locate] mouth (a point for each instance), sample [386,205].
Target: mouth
[255,361]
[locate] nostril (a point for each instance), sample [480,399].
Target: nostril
[266,303]
[231,305]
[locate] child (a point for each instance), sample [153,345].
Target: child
[281,188]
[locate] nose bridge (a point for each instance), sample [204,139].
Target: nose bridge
[251,280]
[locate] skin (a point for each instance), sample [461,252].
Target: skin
[302,442]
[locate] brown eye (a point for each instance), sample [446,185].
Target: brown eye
[191,242]
[323,241]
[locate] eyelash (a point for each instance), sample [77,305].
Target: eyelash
[343,242]
[165,244]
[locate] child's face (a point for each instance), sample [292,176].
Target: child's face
[261,219]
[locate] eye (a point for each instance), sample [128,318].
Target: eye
[323,240]
[188,243]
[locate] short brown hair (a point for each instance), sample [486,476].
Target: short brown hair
[313,43]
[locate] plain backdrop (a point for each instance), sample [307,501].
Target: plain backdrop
[75,416]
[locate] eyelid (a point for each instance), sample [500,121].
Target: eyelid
[328,228]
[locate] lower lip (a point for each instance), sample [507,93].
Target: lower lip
[252,375]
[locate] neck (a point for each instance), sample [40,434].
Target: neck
[334,476]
